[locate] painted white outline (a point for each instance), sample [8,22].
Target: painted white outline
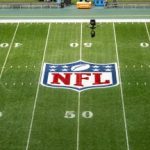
[121,90]
[37,91]
[95,87]
[10,47]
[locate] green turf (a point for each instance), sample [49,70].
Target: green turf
[136,97]
[50,130]
[18,100]
[102,51]
[5,38]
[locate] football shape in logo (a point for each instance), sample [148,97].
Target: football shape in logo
[79,75]
[80,67]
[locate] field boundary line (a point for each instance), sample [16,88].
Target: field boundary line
[37,91]
[147,31]
[121,90]
[72,20]
[78,122]
[75,16]
[10,47]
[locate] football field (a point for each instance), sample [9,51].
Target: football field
[36,117]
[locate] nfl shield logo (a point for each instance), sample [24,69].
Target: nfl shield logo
[79,75]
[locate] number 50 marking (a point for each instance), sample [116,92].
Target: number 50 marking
[72,114]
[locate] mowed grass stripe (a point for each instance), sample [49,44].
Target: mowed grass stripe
[63,35]
[134,61]
[5,61]
[121,90]
[5,40]
[81,34]
[102,49]
[51,130]
[37,90]
[17,99]
[105,130]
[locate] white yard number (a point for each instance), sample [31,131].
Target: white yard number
[74,45]
[17,45]
[5,45]
[72,114]
[87,114]
[87,44]
[144,44]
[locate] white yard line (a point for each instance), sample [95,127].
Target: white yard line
[78,122]
[121,90]
[37,91]
[78,117]
[147,31]
[12,41]
[81,43]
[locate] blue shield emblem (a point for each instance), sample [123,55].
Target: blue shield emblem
[79,75]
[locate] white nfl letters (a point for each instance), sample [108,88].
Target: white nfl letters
[79,75]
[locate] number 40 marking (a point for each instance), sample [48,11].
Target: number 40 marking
[5,45]
[72,114]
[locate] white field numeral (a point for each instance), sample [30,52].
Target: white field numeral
[87,44]
[74,45]
[5,45]
[87,114]
[17,45]
[144,44]
[72,114]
